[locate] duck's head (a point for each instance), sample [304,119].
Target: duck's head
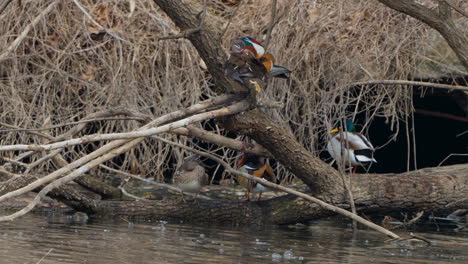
[254,46]
[268,60]
[196,158]
[349,126]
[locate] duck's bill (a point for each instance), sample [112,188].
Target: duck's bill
[335,130]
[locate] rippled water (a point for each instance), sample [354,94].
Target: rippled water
[48,239]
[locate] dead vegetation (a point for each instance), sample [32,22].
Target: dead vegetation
[65,68]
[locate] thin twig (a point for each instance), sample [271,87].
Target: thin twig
[411,83]
[42,159]
[233,14]
[18,163]
[456,8]
[229,110]
[43,257]
[275,186]
[441,115]
[95,22]
[124,192]
[271,24]
[26,30]
[72,123]
[457,202]
[421,238]
[207,136]
[4,5]
[162,185]
[110,150]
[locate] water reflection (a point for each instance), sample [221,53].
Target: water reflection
[61,240]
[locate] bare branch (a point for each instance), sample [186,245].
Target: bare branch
[275,186]
[96,23]
[72,123]
[107,151]
[443,24]
[230,20]
[229,110]
[162,185]
[271,24]
[192,131]
[456,8]
[441,115]
[26,30]
[4,5]
[412,83]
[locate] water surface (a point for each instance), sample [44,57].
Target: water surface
[50,239]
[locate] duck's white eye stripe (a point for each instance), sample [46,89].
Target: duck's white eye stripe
[249,168]
[260,50]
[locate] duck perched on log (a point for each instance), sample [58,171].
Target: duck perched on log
[258,167]
[349,147]
[249,60]
[190,176]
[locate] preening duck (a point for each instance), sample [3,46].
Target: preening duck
[350,148]
[249,60]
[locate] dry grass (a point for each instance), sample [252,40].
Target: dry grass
[66,68]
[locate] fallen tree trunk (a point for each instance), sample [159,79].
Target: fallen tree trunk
[373,192]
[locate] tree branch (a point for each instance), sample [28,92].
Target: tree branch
[412,83]
[192,131]
[275,186]
[455,37]
[26,30]
[107,152]
[271,24]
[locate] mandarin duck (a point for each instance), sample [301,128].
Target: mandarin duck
[190,176]
[349,147]
[249,60]
[258,167]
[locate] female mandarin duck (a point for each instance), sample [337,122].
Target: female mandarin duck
[190,176]
[349,147]
[256,166]
[249,60]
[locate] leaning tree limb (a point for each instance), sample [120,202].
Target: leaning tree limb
[320,177]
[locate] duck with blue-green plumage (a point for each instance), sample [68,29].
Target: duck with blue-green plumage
[350,148]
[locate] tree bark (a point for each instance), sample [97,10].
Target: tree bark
[430,189]
[321,178]
[68,194]
[440,21]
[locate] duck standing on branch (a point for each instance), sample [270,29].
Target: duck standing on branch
[256,166]
[190,176]
[349,147]
[249,60]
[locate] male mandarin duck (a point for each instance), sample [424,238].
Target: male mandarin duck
[349,147]
[256,166]
[249,60]
[190,176]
